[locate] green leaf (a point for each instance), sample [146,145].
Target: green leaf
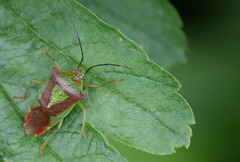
[155,25]
[145,111]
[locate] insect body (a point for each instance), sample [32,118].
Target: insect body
[57,97]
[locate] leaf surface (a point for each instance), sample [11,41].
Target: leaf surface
[153,24]
[145,111]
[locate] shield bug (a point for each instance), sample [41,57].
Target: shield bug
[58,96]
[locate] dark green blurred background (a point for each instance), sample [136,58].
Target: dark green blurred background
[210,80]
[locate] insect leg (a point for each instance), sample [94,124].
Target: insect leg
[46,54]
[84,114]
[49,138]
[97,85]
[33,81]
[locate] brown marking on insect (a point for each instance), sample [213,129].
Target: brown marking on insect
[60,107]
[37,122]
[47,92]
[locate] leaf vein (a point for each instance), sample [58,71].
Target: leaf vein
[17,110]
[41,37]
[145,109]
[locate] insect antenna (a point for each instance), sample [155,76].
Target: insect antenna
[78,41]
[104,65]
